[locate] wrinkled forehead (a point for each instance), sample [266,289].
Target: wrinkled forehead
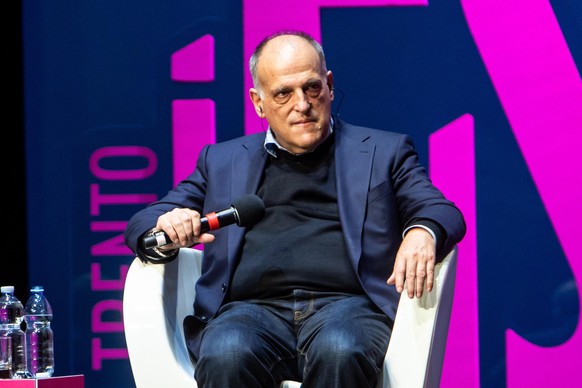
[288,56]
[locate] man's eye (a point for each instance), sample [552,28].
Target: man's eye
[282,97]
[313,91]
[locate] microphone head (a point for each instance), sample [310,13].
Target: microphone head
[250,209]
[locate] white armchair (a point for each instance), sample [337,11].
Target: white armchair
[157,297]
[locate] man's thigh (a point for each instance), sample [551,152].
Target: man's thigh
[247,327]
[350,323]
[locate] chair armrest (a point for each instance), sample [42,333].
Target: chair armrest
[416,350]
[156,298]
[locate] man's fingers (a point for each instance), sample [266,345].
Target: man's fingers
[420,278]
[397,277]
[180,225]
[414,272]
[411,280]
[430,275]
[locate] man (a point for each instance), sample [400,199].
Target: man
[310,291]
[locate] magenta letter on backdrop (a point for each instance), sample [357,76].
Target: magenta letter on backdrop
[193,121]
[452,169]
[539,87]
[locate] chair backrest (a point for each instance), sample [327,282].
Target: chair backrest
[157,297]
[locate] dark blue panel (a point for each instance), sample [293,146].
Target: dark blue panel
[97,74]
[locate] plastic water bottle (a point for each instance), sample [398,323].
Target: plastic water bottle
[39,335]
[5,355]
[11,316]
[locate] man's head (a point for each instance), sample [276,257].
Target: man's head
[292,89]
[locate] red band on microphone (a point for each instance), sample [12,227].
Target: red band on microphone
[213,222]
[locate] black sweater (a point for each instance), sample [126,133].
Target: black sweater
[299,243]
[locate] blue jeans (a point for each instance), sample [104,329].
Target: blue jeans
[321,339]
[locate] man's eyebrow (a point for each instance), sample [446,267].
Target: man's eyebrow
[313,82]
[281,89]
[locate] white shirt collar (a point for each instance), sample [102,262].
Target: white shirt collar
[271,143]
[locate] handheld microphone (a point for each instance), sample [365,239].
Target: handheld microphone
[245,211]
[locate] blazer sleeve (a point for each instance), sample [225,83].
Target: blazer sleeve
[418,199]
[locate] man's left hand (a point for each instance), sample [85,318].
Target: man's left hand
[415,262]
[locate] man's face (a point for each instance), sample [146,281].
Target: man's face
[297,95]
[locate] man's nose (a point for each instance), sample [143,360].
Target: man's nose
[302,102]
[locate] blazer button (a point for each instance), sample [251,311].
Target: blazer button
[203,318]
[224,287]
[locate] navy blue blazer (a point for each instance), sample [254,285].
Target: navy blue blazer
[381,188]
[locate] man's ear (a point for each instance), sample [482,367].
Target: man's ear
[257,102]
[330,84]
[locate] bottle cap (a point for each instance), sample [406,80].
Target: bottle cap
[37,289]
[8,289]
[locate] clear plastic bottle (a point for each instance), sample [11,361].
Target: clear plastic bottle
[11,316]
[5,354]
[39,335]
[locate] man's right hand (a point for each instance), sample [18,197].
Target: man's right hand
[182,227]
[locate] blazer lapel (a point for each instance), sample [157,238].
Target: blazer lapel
[247,165]
[353,160]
